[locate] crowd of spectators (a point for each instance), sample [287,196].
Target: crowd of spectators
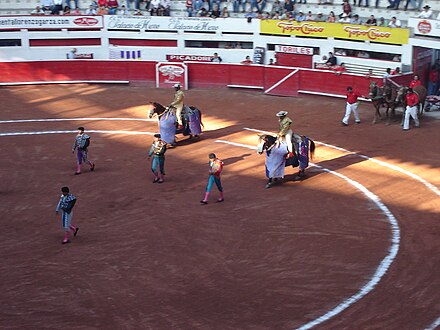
[285,10]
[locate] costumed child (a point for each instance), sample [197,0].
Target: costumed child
[66,204]
[215,169]
[157,151]
[82,142]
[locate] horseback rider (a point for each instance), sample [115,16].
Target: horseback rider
[285,131]
[178,104]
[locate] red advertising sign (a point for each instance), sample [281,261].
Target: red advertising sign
[193,58]
[424,27]
[170,73]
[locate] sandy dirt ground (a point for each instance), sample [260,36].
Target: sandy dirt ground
[356,245]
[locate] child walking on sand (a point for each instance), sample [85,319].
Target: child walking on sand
[215,169]
[66,204]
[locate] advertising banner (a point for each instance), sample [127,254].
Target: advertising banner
[294,50]
[155,23]
[336,30]
[425,27]
[50,22]
[192,58]
[170,73]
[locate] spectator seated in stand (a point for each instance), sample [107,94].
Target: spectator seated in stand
[340,52]
[371,21]
[91,10]
[396,71]
[72,54]
[300,17]
[289,6]
[369,74]
[266,15]
[309,16]
[276,16]
[123,11]
[396,58]
[331,17]
[381,22]
[66,10]
[339,69]
[332,60]
[363,54]
[225,13]
[37,11]
[75,12]
[426,13]
[154,7]
[287,15]
[216,58]
[356,20]
[46,6]
[345,18]
[215,13]
[394,23]
[202,12]
[320,17]
[277,7]
[247,60]
[57,7]
[102,11]
[103,3]
[250,14]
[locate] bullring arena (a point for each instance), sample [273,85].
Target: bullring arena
[354,245]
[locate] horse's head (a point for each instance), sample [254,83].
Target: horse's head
[155,108]
[265,142]
[401,93]
[374,89]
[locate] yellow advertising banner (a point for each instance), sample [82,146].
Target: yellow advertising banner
[336,30]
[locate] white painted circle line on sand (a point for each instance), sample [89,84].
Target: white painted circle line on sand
[435,325]
[384,264]
[71,119]
[70,132]
[427,184]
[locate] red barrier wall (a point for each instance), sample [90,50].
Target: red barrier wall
[272,79]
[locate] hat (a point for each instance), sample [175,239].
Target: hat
[344,15]
[176,85]
[427,7]
[81,128]
[157,136]
[282,114]
[301,11]
[320,13]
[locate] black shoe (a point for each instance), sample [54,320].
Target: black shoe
[155,180]
[390,7]
[65,242]
[92,168]
[77,173]
[76,232]
[344,124]
[357,122]
[203,202]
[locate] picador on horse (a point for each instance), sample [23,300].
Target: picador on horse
[286,149]
[177,118]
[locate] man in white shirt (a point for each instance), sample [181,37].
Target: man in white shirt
[394,23]
[426,13]
[345,19]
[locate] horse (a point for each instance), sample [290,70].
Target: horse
[304,149]
[383,96]
[421,94]
[191,119]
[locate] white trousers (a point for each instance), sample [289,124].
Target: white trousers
[288,138]
[348,109]
[410,111]
[179,109]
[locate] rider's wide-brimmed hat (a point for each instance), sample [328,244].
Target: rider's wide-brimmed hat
[282,113]
[176,85]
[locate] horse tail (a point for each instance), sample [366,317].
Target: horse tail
[200,116]
[312,148]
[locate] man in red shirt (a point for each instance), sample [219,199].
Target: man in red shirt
[415,82]
[412,101]
[352,105]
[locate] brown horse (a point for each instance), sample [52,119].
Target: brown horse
[383,96]
[421,94]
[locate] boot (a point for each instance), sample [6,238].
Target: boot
[66,238]
[78,169]
[220,199]
[160,178]
[205,199]
[92,166]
